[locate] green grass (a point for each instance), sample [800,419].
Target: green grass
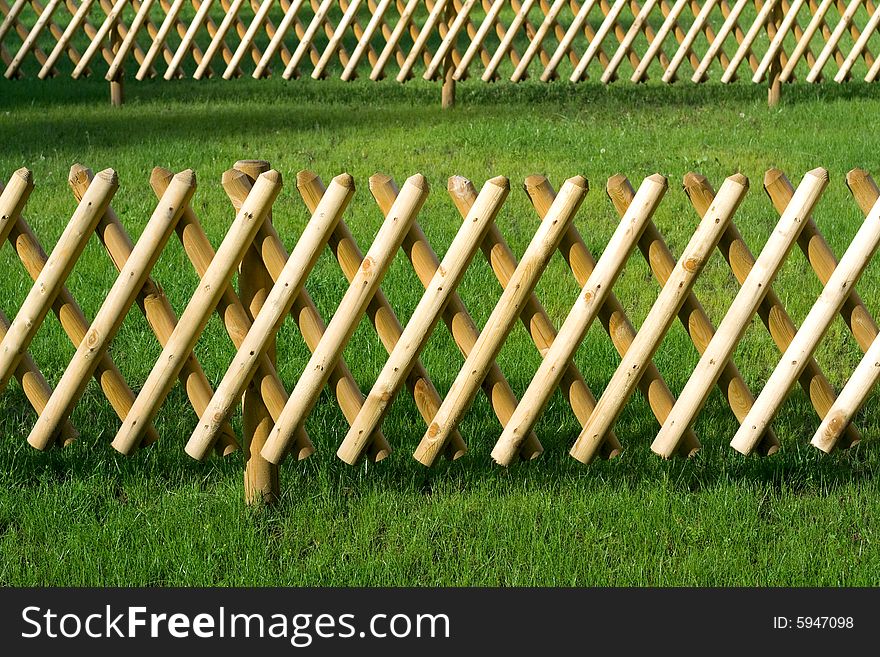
[86,515]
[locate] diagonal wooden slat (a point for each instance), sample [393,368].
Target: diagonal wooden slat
[535,319]
[746,303]
[844,278]
[194,318]
[854,394]
[596,41]
[392,42]
[771,310]
[72,319]
[478,40]
[348,314]
[132,277]
[860,46]
[379,311]
[501,321]
[30,42]
[151,300]
[590,299]
[611,314]
[673,295]
[693,317]
[463,328]
[13,197]
[376,23]
[439,291]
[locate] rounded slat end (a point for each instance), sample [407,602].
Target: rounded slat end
[160,175]
[580,182]
[419,181]
[272,175]
[772,176]
[187,177]
[820,173]
[345,180]
[738,179]
[499,181]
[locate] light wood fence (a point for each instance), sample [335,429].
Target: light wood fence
[605,40]
[273,282]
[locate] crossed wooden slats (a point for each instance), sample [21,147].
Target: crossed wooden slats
[133,283]
[532,314]
[306,40]
[44,19]
[456,317]
[859,385]
[471,29]
[187,42]
[847,14]
[636,368]
[253,317]
[276,42]
[516,293]
[447,46]
[836,291]
[379,310]
[213,293]
[591,298]
[218,39]
[798,346]
[675,292]
[611,314]
[693,317]
[440,299]
[289,280]
[478,40]
[420,40]
[771,311]
[392,40]
[746,303]
[353,306]
[270,255]
[506,35]
[550,22]
[48,273]
[11,23]
[566,40]
[823,262]
[129,41]
[37,390]
[549,40]
[364,41]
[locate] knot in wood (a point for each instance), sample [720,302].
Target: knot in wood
[692,264]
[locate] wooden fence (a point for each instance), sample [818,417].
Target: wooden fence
[272,285]
[606,40]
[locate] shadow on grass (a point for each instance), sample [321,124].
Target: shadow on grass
[94,92]
[797,469]
[258,105]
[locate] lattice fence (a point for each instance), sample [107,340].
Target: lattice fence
[272,286]
[493,39]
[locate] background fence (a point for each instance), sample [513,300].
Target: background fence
[776,40]
[272,286]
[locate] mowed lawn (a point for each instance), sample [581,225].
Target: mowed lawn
[86,515]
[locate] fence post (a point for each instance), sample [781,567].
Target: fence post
[261,483]
[448,94]
[117,96]
[774,73]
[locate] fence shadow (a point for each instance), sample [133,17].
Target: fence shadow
[798,469]
[78,117]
